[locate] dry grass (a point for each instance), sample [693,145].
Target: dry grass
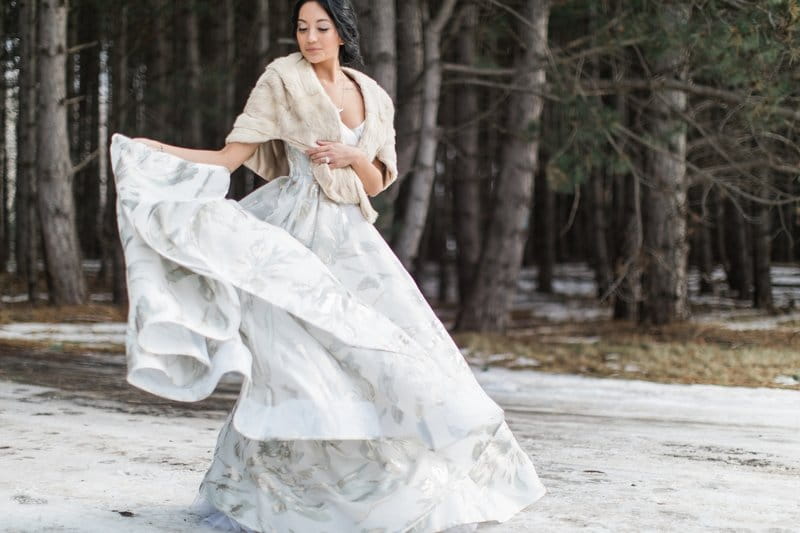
[41,311]
[25,312]
[683,353]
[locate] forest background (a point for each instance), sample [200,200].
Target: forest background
[646,150]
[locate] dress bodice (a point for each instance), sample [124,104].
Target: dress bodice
[300,163]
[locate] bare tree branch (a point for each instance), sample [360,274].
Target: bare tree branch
[442,16]
[78,47]
[83,164]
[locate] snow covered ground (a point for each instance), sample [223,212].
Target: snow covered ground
[615,455]
[99,333]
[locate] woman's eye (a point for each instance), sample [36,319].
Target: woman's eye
[324,29]
[301,30]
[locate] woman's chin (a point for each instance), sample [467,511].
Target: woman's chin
[315,57]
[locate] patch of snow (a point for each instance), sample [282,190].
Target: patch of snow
[749,321]
[523,362]
[786,380]
[577,340]
[566,311]
[631,398]
[575,287]
[17,298]
[94,333]
[496,357]
[42,296]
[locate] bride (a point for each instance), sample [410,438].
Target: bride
[357,412]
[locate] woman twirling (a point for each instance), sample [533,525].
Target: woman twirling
[357,412]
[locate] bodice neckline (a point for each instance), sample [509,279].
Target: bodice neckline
[355,129]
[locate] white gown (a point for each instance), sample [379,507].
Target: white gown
[357,411]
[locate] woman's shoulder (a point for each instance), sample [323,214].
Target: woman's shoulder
[281,64]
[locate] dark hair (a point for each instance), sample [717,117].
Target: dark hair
[344,18]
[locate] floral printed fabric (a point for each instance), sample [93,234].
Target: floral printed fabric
[357,411]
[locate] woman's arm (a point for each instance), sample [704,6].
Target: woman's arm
[370,174]
[232,155]
[339,155]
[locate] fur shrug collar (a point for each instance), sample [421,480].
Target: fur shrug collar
[289,105]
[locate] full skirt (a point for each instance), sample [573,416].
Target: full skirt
[357,411]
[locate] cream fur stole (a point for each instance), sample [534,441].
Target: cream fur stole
[288,104]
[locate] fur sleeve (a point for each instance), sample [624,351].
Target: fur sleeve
[260,122]
[387,153]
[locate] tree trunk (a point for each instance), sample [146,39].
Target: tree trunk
[87,182]
[422,177]
[280,12]
[408,73]
[382,45]
[410,65]
[5,237]
[720,234]
[705,253]
[72,83]
[665,288]
[263,35]
[467,177]
[437,245]
[119,121]
[628,268]
[706,258]
[627,215]
[739,268]
[26,229]
[194,117]
[596,196]
[160,90]
[56,206]
[488,305]
[239,182]
[546,232]
[762,250]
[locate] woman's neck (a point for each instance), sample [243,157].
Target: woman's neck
[327,71]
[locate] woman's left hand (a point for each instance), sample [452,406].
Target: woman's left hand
[334,154]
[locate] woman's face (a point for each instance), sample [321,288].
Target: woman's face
[316,34]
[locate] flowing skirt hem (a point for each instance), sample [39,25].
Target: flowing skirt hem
[213,517]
